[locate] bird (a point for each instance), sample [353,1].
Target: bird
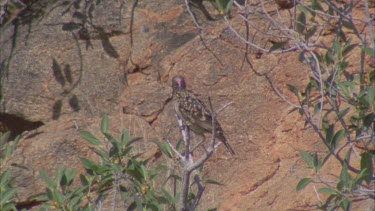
[194,112]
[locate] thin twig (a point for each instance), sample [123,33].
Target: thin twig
[317,194]
[174,150]
[192,15]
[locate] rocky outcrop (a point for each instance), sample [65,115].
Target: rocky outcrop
[65,65]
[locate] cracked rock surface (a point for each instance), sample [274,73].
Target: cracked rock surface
[64,74]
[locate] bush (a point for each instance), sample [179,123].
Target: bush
[7,190]
[119,172]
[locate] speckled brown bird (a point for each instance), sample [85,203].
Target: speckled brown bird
[195,114]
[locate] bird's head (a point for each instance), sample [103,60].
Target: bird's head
[178,83]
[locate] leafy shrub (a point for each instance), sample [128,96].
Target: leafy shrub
[119,172]
[7,189]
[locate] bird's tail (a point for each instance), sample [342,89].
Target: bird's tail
[225,142]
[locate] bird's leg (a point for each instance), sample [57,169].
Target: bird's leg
[213,115]
[185,131]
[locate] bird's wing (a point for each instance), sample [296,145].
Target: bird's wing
[196,113]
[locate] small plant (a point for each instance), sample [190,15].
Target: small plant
[60,194]
[120,173]
[224,6]
[7,189]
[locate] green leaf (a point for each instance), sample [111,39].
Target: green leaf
[301,23]
[49,194]
[367,166]
[278,45]
[220,5]
[214,182]
[337,48]
[133,140]
[4,178]
[7,195]
[144,172]
[47,179]
[341,34]
[294,90]
[368,120]
[111,139]
[315,5]
[303,183]
[329,57]
[370,95]
[125,137]
[345,204]
[360,177]
[165,148]
[84,180]
[70,175]
[180,144]
[317,162]
[229,6]
[329,135]
[87,164]
[308,159]
[341,66]
[311,32]
[329,191]
[105,124]
[58,197]
[303,9]
[59,174]
[336,139]
[348,25]
[10,206]
[90,138]
[348,49]
[8,151]
[102,153]
[315,83]
[168,196]
[369,51]
[344,176]
[372,76]
[4,139]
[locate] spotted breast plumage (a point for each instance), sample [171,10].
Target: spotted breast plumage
[195,114]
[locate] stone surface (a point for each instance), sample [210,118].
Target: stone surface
[146,100]
[64,69]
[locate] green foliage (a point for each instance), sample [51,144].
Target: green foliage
[60,195]
[303,183]
[224,6]
[339,104]
[7,189]
[120,172]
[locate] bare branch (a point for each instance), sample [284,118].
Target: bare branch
[192,15]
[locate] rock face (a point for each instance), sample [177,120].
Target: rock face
[64,65]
